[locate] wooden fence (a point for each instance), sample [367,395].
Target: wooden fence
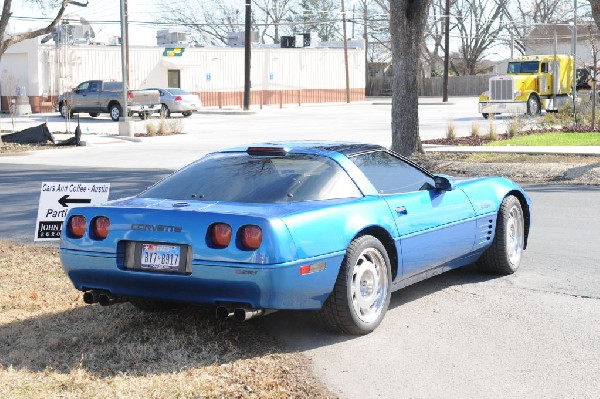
[457,85]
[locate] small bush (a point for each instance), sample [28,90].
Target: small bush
[514,127]
[174,126]
[475,129]
[164,127]
[151,128]
[492,135]
[451,131]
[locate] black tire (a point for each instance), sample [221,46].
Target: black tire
[187,113]
[144,115]
[94,114]
[533,105]
[115,112]
[485,116]
[64,111]
[354,306]
[504,255]
[164,111]
[153,305]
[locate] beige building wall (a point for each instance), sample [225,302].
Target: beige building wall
[217,74]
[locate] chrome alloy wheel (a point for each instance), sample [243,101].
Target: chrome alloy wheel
[369,285]
[515,235]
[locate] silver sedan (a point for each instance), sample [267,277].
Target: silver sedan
[177,100]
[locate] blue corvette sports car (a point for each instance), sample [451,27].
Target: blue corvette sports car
[293,225]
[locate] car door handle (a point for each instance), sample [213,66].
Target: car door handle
[401,210]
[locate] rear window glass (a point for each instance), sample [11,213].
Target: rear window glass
[113,86]
[239,177]
[178,92]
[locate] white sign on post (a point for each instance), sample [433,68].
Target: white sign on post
[57,198]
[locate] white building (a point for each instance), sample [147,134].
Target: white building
[278,75]
[541,40]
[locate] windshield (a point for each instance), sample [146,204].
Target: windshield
[239,177]
[524,67]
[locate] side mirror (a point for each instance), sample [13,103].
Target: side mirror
[442,183]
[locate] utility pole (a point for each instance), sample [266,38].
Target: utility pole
[446,52]
[247,55]
[346,52]
[366,37]
[126,127]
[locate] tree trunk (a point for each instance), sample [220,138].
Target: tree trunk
[407,22]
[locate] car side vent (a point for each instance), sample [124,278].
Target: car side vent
[485,232]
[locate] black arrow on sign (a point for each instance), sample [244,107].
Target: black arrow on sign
[65,201]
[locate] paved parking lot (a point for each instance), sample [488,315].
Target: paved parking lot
[214,129]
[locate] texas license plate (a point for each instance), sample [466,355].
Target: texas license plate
[160,257]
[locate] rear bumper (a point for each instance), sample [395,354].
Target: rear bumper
[183,107]
[278,286]
[144,108]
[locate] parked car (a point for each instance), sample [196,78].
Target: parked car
[175,100]
[293,225]
[100,96]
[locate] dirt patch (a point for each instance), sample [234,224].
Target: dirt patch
[53,345]
[522,168]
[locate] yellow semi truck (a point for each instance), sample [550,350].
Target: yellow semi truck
[532,83]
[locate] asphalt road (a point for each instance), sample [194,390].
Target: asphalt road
[534,334]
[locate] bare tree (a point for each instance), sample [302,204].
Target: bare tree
[209,22]
[319,16]
[407,24]
[378,20]
[433,40]
[480,23]
[8,40]
[274,12]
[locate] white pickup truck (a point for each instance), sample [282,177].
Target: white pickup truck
[100,96]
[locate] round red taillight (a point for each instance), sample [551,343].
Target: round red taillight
[77,225]
[101,227]
[220,235]
[251,236]
[178,98]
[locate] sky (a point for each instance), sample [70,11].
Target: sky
[103,16]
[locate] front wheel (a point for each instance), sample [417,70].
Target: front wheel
[533,105]
[115,112]
[144,115]
[504,255]
[361,295]
[164,111]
